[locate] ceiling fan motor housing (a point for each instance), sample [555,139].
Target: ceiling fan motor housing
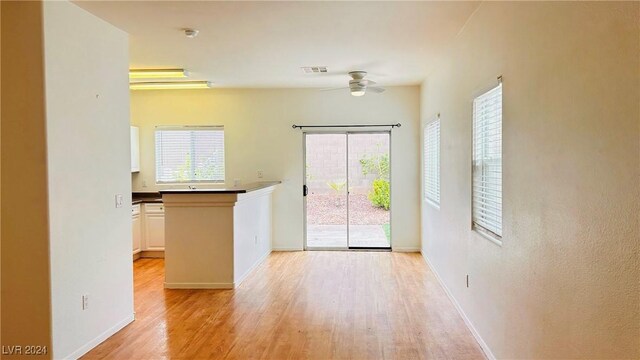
[357,82]
[357,75]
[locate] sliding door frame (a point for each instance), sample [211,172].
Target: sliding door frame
[304,182]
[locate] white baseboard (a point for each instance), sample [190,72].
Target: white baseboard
[198,285]
[405,249]
[233,285]
[100,338]
[287,249]
[253,267]
[474,332]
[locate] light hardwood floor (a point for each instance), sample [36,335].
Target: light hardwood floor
[297,305]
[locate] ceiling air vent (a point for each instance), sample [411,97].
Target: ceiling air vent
[314,69]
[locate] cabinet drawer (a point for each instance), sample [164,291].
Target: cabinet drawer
[135,209]
[154,208]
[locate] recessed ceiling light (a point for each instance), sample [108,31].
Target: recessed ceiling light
[157,73]
[170,85]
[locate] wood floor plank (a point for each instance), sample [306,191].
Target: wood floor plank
[298,305]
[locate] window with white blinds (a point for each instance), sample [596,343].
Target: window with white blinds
[432,162]
[189,154]
[487,161]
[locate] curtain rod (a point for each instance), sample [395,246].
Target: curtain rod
[343,126]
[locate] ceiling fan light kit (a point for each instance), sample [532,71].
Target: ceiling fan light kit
[358,85]
[357,91]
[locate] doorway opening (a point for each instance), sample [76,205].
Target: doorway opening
[347,190]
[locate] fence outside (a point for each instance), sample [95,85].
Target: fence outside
[326,155]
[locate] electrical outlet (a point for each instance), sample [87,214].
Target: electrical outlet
[119,200]
[144,183]
[260,174]
[85,302]
[237,183]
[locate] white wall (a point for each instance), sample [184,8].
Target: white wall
[86,64]
[564,284]
[252,231]
[258,136]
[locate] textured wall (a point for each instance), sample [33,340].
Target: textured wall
[565,282]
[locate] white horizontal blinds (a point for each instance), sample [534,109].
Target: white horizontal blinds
[190,154]
[432,161]
[487,161]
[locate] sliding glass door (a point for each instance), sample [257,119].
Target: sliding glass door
[347,191]
[370,190]
[326,191]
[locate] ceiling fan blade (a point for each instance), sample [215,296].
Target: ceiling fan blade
[376,89]
[331,74]
[332,89]
[370,82]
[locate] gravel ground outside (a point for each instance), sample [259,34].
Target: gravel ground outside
[330,209]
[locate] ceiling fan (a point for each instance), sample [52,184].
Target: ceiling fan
[358,85]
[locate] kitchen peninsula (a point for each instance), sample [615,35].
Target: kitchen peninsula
[215,237]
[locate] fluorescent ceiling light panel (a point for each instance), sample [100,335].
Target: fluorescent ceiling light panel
[170,85]
[157,73]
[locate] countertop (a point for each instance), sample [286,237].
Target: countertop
[145,197]
[234,190]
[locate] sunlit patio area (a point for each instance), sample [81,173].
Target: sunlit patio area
[335,236]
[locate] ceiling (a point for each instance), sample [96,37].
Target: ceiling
[264,44]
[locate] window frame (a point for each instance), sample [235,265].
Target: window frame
[487,233]
[190,128]
[434,122]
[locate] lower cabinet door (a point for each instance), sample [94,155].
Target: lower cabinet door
[154,231]
[137,233]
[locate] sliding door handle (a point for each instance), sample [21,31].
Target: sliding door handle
[305,190]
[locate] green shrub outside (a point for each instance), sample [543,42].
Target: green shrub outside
[379,195]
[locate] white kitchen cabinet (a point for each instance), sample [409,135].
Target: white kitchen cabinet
[135,149]
[153,227]
[137,229]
